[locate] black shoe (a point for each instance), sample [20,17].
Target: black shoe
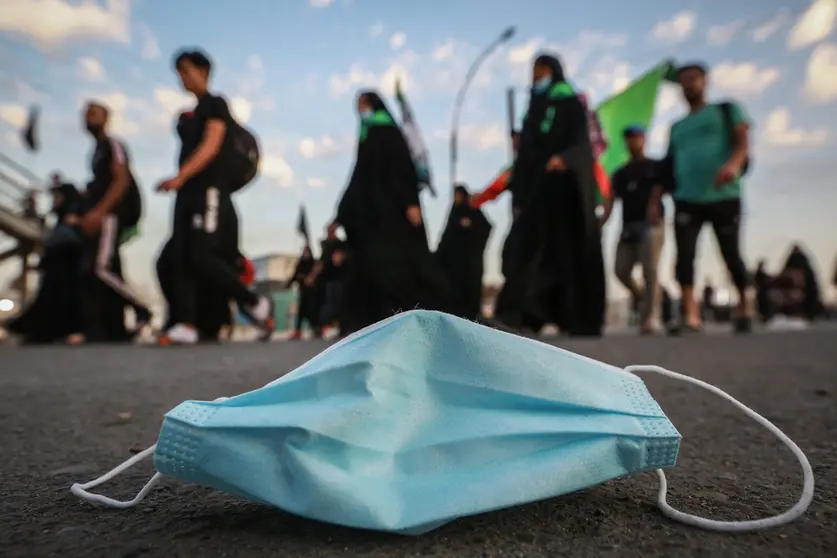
[743,326]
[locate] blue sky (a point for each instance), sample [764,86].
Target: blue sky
[291,69]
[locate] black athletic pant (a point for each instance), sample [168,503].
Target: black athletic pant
[104,292]
[203,248]
[725,218]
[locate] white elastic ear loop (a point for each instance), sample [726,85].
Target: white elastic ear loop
[734,526]
[80,490]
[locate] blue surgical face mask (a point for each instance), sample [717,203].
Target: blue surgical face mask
[424,418]
[542,84]
[366,114]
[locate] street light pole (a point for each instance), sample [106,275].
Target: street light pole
[460,98]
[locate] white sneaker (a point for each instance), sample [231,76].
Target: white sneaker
[180,334]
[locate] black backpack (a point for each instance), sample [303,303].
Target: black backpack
[130,208]
[726,112]
[243,159]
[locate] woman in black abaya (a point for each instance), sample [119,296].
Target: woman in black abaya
[460,254]
[555,273]
[55,314]
[390,267]
[306,300]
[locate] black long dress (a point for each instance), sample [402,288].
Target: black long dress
[307,307]
[552,260]
[460,254]
[798,261]
[389,266]
[55,313]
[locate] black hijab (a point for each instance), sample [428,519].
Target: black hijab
[551,62]
[70,200]
[376,102]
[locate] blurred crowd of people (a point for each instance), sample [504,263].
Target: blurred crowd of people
[382,264]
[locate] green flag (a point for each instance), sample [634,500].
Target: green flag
[633,106]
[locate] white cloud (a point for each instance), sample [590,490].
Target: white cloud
[478,136]
[359,77]
[778,131]
[13,114]
[320,3]
[49,23]
[356,77]
[376,30]
[398,40]
[313,182]
[12,139]
[91,69]
[130,115]
[24,93]
[658,138]
[745,78]
[718,35]
[608,77]
[524,53]
[677,29]
[276,169]
[814,25]
[762,32]
[325,146]
[172,101]
[443,51]
[821,74]
[150,49]
[241,109]
[670,99]
[118,104]
[590,51]
[255,63]
[440,70]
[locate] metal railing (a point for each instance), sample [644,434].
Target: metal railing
[17,185]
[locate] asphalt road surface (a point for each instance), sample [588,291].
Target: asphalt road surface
[70,414]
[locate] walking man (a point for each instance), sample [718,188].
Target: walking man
[643,236]
[707,156]
[112,206]
[204,243]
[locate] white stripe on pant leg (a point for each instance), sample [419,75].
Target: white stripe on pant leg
[210,218]
[104,255]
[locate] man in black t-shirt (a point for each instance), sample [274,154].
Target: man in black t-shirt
[643,235]
[112,204]
[204,244]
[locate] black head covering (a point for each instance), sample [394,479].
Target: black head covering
[70,199]
[375,101]
[553,64]
[797,259]
[461,189]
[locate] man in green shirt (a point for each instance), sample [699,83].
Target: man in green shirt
[708,153]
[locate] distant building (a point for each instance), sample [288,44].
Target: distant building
[273,271]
